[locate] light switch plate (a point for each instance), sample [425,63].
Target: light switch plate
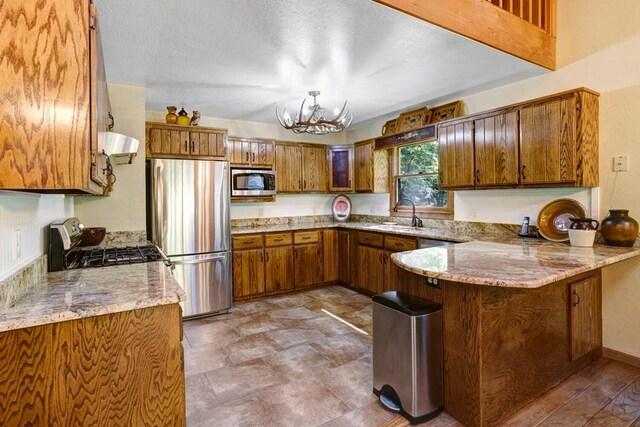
[621,163]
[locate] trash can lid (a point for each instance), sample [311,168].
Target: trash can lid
[407,304]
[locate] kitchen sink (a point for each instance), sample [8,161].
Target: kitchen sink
[395,228]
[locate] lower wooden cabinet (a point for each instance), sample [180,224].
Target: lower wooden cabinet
[331,254]
[248,273]
[585,298]
[371,269]
[278,271]
[308,265]
[344,262]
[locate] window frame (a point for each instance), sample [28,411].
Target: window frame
[404,211]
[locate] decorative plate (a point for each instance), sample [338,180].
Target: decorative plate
[553,219]
[341,208]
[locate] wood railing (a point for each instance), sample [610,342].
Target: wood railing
[535,12]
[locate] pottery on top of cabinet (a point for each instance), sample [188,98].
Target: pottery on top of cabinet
[171,117]
[195,119]
[183,118]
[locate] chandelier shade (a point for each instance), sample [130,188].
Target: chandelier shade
[314,119]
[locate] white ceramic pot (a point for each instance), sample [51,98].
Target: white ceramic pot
[582,238]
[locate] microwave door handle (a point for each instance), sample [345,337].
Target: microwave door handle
[199,261]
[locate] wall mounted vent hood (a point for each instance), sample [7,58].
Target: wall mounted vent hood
[120,148]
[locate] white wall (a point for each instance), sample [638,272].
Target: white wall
[30,214]
[124,209]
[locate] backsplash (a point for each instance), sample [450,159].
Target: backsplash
[124,237]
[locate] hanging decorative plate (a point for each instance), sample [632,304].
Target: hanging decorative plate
[341,208]
[553,219]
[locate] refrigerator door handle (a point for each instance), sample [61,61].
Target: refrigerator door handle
[199,261]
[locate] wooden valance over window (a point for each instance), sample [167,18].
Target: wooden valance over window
[426,133]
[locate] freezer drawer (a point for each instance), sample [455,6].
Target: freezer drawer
[206,279]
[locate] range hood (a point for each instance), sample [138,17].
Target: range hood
[120,148]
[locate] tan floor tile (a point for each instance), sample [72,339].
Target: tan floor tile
[344,348]
[253,307]
[250,347]
[334,307]
[291,337]
[293,300]
[371,415]
[207,333]
[293,313]
[328,326]
[199,394]
[306,402]
[298,362]
[244,413]
[352,383]
[243,380]
[256,323]
[204,358]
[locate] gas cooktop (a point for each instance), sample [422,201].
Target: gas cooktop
[110,255]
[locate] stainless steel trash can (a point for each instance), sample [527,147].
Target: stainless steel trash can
[408,355]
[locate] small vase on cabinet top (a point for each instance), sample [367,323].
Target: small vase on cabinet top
[195,119]
[619,229]
[171,117]
[183,118]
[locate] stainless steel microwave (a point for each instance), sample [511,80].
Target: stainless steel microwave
[253,182]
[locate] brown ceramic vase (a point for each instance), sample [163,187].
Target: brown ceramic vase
[171,117]
[619,229]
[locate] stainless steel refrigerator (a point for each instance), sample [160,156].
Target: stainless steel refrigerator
[188,219]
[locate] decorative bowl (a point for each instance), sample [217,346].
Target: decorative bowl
[554,219]
[92,236]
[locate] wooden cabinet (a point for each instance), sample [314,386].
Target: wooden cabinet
[301,167]
[314,178]
[455,152]
[331,255]
[308,265]
[173,141]
[251,152]
[496,150]
[340,165]
[546,142]
[53,98]
[288,168]
[585,297]
[115,364]
[371,269]
[279,275]
[371,168]
[248,273]
[345,265]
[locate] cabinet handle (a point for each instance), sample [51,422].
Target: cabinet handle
[186,146]
[253,156]
[477,176]
[306,237]
[577,296]
[304,183]
[193,146]
[440,177]
[299,185]
[261,257]
[278,240]
[522,173]
[295,254]
[267,255]
[398,243]
[247,156]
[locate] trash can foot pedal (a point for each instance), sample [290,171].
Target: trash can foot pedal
[389,403]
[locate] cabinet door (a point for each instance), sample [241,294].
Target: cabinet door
[203,144]
[331,254]
[455,150]
[262,153]
[390,272]
[344,260]
[547,144]
[314,178]
[586,316]
[340,169]
[168,142]
[279,269]
[364,167]
[308,265]
[100,106]
[371,271]
[496,145]
[241,151]
[248,273]
[289,169]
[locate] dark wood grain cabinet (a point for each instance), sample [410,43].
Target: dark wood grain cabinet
[546,142]
[251,152]
[301,167]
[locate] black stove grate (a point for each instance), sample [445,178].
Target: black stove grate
[103,257]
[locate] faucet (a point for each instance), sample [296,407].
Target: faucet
[415,221]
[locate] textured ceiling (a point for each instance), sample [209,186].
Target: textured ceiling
[240,58]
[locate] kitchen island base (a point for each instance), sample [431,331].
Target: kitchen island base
[504,347]
[122,368]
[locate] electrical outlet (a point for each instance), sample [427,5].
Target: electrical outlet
[372,210]
[472,213]
[621,163]
[17,244]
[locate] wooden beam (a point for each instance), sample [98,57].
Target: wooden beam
[485,23]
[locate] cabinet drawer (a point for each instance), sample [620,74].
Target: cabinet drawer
[304,237]
[247,242]
[370,239]
[278,239]
[400,244]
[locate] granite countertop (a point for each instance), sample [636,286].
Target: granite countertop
[482,258]
[510,262]
[86,292]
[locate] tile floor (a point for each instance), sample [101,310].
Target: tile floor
[285,361]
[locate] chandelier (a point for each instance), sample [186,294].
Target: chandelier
[314,119]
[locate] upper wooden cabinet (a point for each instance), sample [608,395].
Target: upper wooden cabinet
[251,152]
[174,141]
[546,142]
[301,167]
[52,97]
[371,168]
[340,163]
